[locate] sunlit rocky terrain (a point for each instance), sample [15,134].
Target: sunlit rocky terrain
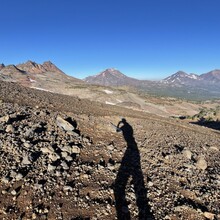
[62,158]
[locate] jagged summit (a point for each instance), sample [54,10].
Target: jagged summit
[33,67]
[50,67]
[44,76]
[30,67]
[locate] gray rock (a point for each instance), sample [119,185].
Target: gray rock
[201,163]
[51,167]
[67,188]
[4,192]
[5,180]
[110,147]
[187,154]
[75,150]
[64,165]
[26,160]
[209,215]
[9,129]
[68,158]
[150,184]
[18,177]
[67,149]
[54,156]
[4,119]
[29,133]
[64,154]
[13,192]
[13,174]
[65,125]
[47,150]
[27,145]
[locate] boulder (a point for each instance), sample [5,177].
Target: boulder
[201,163]
[65,125]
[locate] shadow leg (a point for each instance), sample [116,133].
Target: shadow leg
[119,192]
[141,195]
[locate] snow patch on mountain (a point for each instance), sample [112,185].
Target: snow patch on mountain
[108,91]
[109,103]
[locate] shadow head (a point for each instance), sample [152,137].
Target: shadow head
[123,120]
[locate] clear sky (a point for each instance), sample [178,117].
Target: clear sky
[146,39]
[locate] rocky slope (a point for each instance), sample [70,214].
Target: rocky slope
[62,159]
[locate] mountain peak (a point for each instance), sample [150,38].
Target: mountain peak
[30,67]
[111,69]
[111,72]
[111,77]
[181,77]
[212,76]
[48,62]
[181,73]
[30,62]
[50,67]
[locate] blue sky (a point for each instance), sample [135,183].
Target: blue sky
[146,39]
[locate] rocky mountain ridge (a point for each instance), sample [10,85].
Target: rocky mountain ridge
[44,76]
[48,77]
[32,67]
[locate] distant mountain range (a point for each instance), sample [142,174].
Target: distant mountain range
[113,77]
[181,77]
[47,76]
[180,84]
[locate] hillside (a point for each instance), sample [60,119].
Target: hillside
[62,158]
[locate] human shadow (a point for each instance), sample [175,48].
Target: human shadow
[130,166]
